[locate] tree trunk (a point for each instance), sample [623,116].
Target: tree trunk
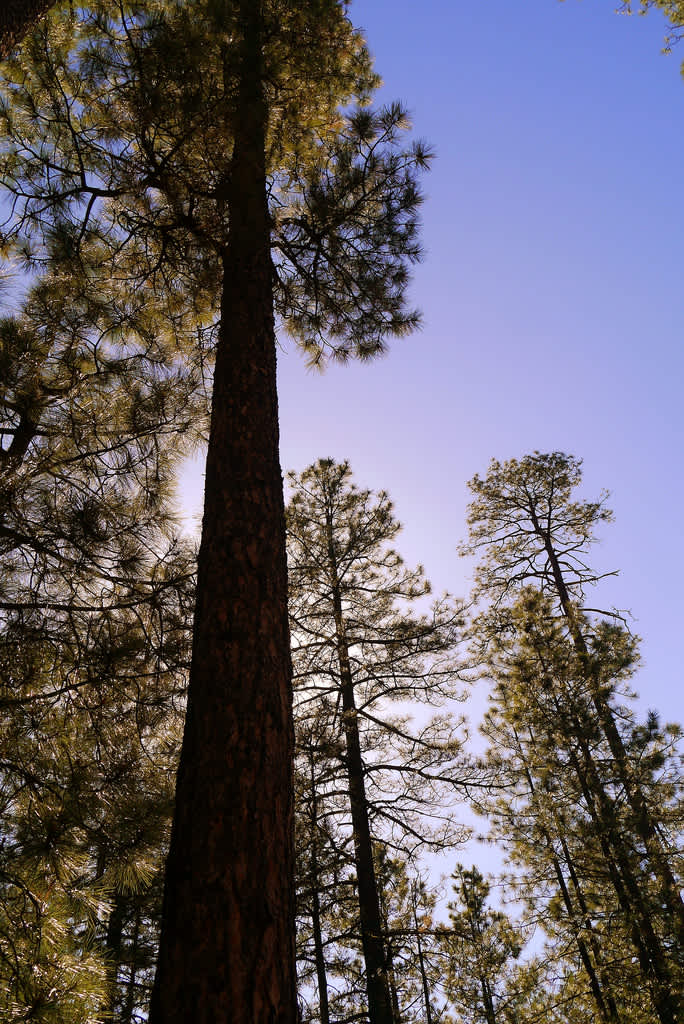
[608,829]
[487,1001]
[606,1006]
[421,960]
[377,984]
[611,1006]
[17,17]
[671,895]
[389,957]
[652,959]
[227,936]
[129,1001]
[113,944]
[392,979]
[321,973]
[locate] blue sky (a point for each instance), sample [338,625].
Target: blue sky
[551,292]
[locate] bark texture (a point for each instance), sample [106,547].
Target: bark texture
[227,943]
[17,17]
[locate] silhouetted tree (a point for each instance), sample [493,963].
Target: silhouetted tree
[357,649]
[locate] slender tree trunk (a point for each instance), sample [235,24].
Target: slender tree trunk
[611,1006]
[227,936]
[606,1006]
[605,1013]
[17,17]
[652,958]
[485,987]
[643,822]
[321,973]
[487,1001]
[129,1002]
[377,983]
[113,941]
[421,960]
[392,979]
[389,954]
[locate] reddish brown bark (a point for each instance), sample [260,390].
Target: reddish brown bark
[17,17]
[227,943]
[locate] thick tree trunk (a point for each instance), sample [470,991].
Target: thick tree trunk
[227,939]
[17,17]
[377,983]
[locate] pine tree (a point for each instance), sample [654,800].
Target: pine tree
[325,881]
[151,145]
[481,945]
[415,960]
[95,605]
[609,787]
[544,742]
[357,648]
[86,779]
[426,946]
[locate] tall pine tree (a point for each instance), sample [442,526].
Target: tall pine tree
[210,156]
[561,668]
[358,648]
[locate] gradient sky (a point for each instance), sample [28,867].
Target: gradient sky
[551,292]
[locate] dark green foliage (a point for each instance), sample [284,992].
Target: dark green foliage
[16,18]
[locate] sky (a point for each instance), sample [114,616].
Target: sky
[550,291]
